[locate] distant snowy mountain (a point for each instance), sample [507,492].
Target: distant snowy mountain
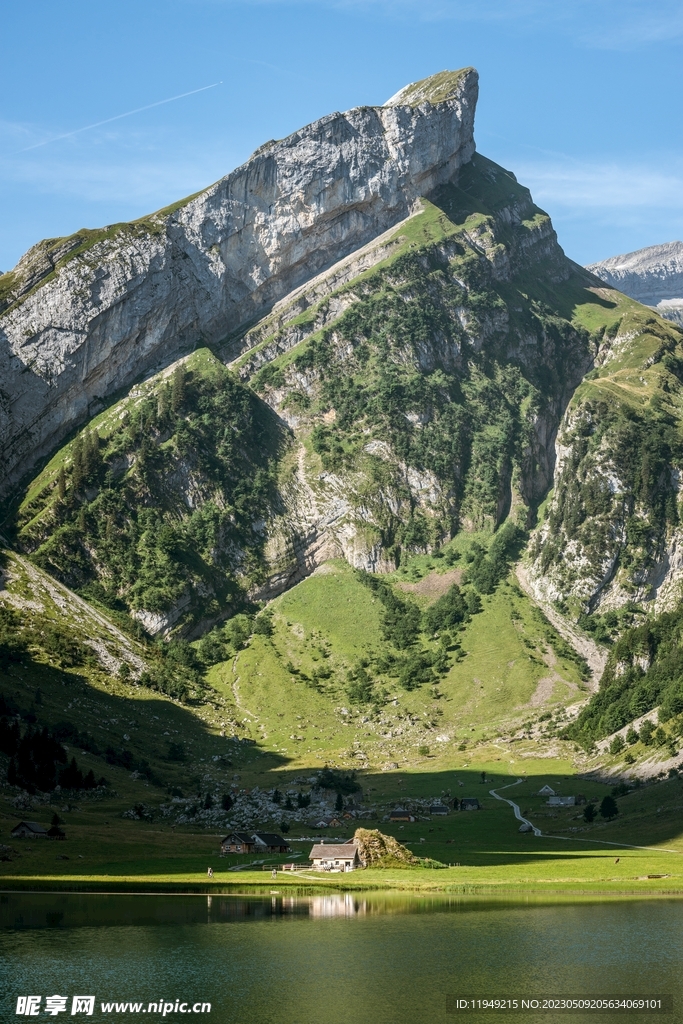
[653,276]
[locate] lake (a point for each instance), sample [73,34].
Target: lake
[332,959]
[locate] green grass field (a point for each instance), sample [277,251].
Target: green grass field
[504,674]
[107,854]
[260,724]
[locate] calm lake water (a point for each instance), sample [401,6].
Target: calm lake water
[332,959]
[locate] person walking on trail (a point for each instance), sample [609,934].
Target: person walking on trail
[210,872]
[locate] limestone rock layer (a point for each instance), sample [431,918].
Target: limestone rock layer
[81,318]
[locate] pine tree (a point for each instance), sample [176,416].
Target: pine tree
[162,404]
[61,484]
[77,469]
[608,807]
[178,388]
[91,454]
[71,776]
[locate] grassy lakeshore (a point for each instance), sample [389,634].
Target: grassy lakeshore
[482,852]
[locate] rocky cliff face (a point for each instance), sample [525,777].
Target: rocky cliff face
[612,538]
[86,316]
[653,276]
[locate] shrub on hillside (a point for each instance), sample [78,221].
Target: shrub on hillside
[608,808]
[343,782]
[12,643]
[487,569]
[617,745]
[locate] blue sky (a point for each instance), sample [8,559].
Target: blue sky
[580,98]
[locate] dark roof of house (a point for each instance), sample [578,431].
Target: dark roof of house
[271,838]
[33,826]
[470,800]
[338,851]
[241,837]
[400,813]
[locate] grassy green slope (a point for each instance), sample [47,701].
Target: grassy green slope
[161,519]
[295,691]
[169,845]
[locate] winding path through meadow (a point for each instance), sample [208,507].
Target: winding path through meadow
[572,839]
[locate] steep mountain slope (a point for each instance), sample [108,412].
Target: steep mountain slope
[611,535]
[653,276]
[159,507]
[337,679]
[74,686]
[341,670]
[643,672]
[84,316]
[422,379]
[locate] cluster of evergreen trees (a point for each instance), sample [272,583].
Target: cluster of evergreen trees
[403,624]
[13,647]
[644,670]
[225,641]
[86,463]
[173,668]
[36,758]
[487,569]
[20,640]
[120,528]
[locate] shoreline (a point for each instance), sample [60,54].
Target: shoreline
[311,888]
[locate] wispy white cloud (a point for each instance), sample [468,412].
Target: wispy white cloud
[602,185]
[111,163]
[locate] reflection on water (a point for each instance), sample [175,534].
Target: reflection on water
[337,906]
[68,910]
[340,959]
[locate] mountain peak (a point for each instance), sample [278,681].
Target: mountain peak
[438,88]
[82,317]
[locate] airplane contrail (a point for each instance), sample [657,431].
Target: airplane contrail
[118,117]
